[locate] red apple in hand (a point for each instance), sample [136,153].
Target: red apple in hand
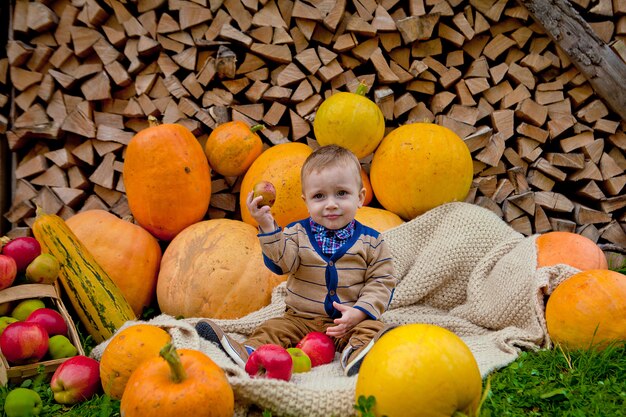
[8,271]
[319,347]
[270,361]
[76,380]
[50,319]
[267,190]
[22,343]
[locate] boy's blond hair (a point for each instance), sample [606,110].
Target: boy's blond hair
[331,156]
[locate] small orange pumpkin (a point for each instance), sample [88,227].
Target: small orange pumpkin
[179,383]
[232,147]
[369,193]
[378,219]
[280,165]
[167,179]
[588,309]
[569,248]
[125,351]
[127,252]
[215,269]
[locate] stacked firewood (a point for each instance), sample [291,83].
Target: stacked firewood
[548,152]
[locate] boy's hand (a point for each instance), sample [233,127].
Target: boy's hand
[262,215]
[350,317]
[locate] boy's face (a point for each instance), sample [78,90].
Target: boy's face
[332,195]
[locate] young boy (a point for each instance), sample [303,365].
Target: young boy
[341,276]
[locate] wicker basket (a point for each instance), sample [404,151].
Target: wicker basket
[50,296]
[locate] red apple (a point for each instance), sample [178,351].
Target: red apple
[50,319]
[270,361]
[319,346]
[23,250]
[8,271]
[22,343]
[76,380]
[267,190]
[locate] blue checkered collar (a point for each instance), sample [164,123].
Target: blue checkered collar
[343,234]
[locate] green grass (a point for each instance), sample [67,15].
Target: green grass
[543,383]
[557,383]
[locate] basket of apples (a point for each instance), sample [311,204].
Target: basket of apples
[36,329]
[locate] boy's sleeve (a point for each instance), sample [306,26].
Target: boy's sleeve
[380,281]
[280,250]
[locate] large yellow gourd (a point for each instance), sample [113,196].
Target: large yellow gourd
[98,302]
[420,370]
[420,166]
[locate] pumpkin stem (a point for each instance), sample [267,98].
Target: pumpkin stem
[256,128]
[168,352]
[361,89]
[129,218]
[153,121]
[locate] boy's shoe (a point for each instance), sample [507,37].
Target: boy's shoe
[352,358]
[214,334]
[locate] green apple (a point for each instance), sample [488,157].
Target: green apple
[22,402]
[23,309]
[5,321]
[44,269]
[60,346]
[301,361]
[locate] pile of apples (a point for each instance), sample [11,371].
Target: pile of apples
[275,362]
[22,255]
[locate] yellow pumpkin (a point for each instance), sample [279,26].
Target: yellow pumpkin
[420,370]
[280,165]
[350,120]
[378,219]
[126,350]
[127,252]
[214,268]
[588,309]
[418,167]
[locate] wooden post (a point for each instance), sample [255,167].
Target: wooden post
[604,69]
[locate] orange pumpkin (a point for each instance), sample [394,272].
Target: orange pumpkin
[232,147]
[167,179]
[125,351]
[588,309]
[179,383]
[378,219]
[127,252]
[280,165]
[569,248]
[369,193]
[214,269]
[420,166]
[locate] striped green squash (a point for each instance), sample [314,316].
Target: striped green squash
[99,303]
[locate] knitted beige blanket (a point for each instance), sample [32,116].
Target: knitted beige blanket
[459,265]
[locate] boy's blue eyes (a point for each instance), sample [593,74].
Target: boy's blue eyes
[341,193]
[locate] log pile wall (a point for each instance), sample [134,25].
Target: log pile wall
[81,77]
